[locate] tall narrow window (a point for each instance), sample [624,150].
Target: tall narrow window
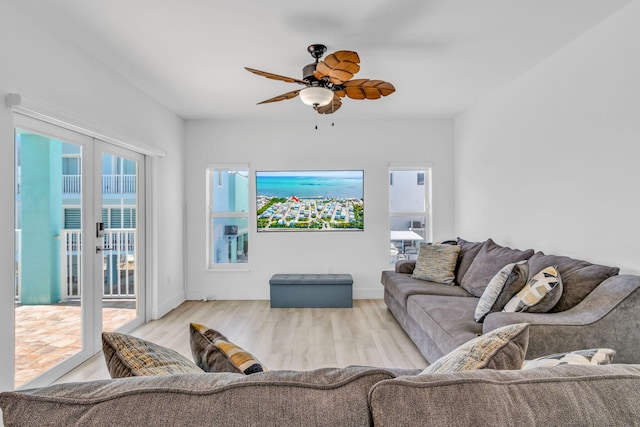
[228,216]
[409,210]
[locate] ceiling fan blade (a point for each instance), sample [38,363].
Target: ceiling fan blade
[275,76]
[339,66]
[368,89]
[331,107]
[347,55]
[282,97]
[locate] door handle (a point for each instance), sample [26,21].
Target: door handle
[98,249]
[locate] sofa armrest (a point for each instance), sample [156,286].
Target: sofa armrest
[405,266]
[608,317]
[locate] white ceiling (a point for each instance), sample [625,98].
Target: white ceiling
[441,55]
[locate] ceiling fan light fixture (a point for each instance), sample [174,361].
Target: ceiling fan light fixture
[316,96]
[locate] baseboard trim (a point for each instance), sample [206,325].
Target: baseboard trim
[163,309]
[367,293]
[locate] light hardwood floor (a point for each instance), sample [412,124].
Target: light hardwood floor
[283,338]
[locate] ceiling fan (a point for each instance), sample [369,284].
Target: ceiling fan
[326,82]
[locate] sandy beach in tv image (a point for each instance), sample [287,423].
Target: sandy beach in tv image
[310,200]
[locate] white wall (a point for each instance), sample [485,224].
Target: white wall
[366,145]
[551,160]
[37,64]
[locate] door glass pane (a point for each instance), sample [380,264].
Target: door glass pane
[48,257]
[120,254]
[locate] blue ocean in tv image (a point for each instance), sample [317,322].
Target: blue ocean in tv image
[310,200]
[307,185]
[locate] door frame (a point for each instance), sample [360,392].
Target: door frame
[90,299]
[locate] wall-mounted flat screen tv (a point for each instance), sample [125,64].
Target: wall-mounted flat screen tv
[310,200]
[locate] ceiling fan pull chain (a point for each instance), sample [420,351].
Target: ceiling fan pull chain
[332,105]
[316,110]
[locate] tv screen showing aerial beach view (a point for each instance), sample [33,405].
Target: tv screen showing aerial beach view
[310,200]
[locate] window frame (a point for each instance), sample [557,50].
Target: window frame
[427,213]
[212,214]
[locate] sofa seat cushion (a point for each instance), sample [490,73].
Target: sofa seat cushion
[322,397]
[447,320]
[579,277]
[401,286]
[560,395]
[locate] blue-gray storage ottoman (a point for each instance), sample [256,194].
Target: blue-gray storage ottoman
[311,290]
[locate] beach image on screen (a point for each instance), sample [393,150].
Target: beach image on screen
[310,200]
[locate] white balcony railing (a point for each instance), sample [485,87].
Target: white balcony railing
[111,184]
[118,184]
[118,264]
[71,184]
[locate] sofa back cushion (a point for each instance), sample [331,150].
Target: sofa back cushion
[468,252]
[579,278]
[489,261]
[561,395]
[323,397]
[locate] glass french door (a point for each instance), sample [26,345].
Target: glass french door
[79,247]
[119,233]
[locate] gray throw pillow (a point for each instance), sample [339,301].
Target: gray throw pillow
[508,281]
[490,259]
[436,263]
[579,278]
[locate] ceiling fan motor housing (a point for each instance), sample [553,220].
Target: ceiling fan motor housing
[316,51]
[307,73]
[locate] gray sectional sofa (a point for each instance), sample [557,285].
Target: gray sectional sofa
[598,307]
[356,396]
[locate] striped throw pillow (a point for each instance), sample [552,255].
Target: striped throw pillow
[213,352]
[504,285]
